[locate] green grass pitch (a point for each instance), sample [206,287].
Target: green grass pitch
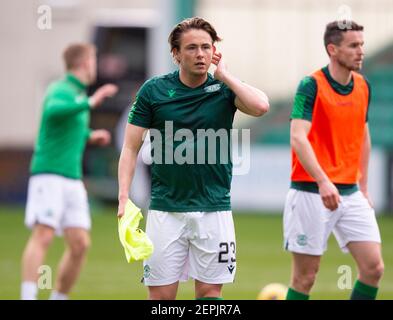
[106,275]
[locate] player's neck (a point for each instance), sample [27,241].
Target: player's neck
[339,73]
[81,76]
[190,80]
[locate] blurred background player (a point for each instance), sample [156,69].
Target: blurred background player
[331,147]
[57,199]
[190,219]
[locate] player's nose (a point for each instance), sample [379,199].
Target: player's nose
[199,52]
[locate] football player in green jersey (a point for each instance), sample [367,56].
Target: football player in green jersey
[57,199]
[189,219]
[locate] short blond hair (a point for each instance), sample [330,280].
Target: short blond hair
[76,53]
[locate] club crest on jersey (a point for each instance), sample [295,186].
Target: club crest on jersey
[146,271]
[212,88]
[301,240]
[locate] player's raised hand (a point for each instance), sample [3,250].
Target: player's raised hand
[103,92]
[329,194]
[100,137]
[221,69]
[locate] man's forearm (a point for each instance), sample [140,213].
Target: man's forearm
[254,100]
[127,163]
[307,158]
[365,159]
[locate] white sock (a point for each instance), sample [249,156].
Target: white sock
[28,290]
[55,295]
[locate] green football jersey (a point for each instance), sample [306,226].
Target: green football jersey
[64,129]
[189,171]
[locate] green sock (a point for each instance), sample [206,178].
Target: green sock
[210,298]
[362,291]
[295,295]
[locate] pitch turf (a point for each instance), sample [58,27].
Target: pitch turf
[260,258]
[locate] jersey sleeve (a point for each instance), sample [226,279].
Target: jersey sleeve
[230,95]
[88,133]
[62,102]
[140,112]
[303,104]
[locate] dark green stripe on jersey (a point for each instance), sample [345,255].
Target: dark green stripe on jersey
[304,99]
[343,189]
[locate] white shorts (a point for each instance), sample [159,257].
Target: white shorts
[57,202]
[308,223]
[200,245]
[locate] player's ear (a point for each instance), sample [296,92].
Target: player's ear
[214,49]
[176,54]
[331,49]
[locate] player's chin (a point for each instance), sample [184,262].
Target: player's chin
[357,66]
[200,71]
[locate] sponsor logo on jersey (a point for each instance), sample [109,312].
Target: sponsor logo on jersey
[212,88]
[171,93]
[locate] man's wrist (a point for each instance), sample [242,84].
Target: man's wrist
[363,188]
[322,180]
[92,102]
[225,78]
[123,197]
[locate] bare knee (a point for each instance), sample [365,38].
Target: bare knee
[42,236]
[79,246]
[166,292]
[35,251]
[206,290]
[373,271]
[305,270]
[161,295]
[303,282]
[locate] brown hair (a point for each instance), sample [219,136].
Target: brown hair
[75,53]
[188,24]
[334,31]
